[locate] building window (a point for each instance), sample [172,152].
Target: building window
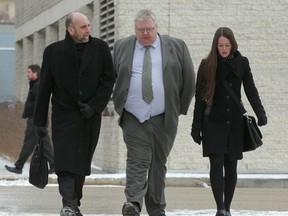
[107,25]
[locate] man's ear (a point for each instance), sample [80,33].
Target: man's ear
[70,30]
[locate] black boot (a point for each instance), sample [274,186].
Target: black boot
[13,169]
[221,213]
[228,213]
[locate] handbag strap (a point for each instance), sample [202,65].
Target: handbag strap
[233,95]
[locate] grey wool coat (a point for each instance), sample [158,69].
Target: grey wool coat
[74,138]
[222,131]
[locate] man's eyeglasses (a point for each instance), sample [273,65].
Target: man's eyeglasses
[142,30]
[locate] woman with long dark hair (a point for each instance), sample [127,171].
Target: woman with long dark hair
[217,121]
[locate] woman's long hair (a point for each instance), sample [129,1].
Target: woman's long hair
[208,72]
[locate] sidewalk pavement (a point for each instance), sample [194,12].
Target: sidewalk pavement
[108,200]
[186,194]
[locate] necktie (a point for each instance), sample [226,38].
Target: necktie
[147,91]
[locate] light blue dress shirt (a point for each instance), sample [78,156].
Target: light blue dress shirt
[134,103]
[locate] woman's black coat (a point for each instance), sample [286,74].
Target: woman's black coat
[74,138]
[223,130]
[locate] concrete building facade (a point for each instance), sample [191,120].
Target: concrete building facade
[260,28]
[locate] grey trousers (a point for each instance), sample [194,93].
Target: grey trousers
[148,146]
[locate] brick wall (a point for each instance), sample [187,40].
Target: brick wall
[260,28]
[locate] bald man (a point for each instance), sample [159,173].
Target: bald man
[77,73]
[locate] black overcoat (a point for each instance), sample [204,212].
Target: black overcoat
[222,131]
[31,98]
[74,138]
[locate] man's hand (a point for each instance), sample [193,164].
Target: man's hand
[86,111]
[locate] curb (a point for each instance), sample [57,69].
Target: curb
[186,181]
[172,180]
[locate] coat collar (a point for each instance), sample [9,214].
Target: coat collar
[71,52]
[233,65]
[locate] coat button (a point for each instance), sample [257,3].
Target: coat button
[227,97]
[80,92]
[228,122]
[228,110]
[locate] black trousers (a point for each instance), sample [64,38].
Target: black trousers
[70,188]
[29,143]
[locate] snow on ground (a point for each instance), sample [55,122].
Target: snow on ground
[180,212]
[174,213]
[8,179]
[23,178]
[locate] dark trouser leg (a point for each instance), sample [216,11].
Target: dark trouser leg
[230,167]
[161,146]
[217,179]
[79,182]
[70,188]
[29,143]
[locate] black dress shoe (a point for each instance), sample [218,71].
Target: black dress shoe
[68,211]
[129,209]
[13,169]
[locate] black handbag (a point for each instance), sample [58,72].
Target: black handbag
[38,171]
[252,134]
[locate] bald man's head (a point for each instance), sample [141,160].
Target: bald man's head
[78,26]
[70,17]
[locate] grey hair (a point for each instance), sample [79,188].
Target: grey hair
[145,14]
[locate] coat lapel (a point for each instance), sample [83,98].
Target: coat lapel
[166,50]
[129,54]
[70,53]
[71,66]
[86,56]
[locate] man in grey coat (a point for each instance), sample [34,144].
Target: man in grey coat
[149,126]
[78,72]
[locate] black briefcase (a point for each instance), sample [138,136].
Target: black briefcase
[38,172]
